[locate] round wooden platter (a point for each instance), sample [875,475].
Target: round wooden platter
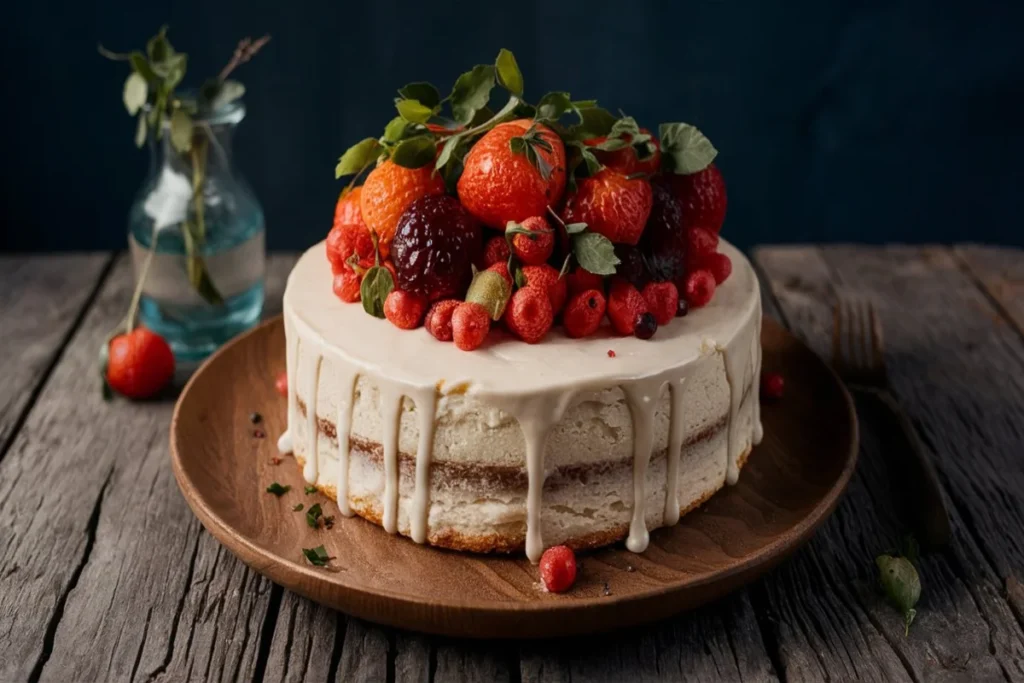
[790,484]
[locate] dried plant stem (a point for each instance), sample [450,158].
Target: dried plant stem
[246,50]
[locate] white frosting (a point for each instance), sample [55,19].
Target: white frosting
[535,384]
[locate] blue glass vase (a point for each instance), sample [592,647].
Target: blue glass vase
[196,236]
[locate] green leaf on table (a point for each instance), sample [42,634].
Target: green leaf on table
[181,130]
[901,584]
[297,507]
[553,105]
[376,285]
[317,556]
[595,253]
[424,93]
[313,515]
[309,490]
[136,90]
[509,75]
[472,92]
[141,129]
[415,152]
[684,149]
[278,490]
[414,111]
[357,157]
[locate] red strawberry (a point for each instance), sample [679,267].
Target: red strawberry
[611,204]
[583,313]
[627,159]
[703,197]
[470,325]
[495,251]
[625,306]
[662,301]
[439,319]
[580,280]
[404,310]
[529,315]
[534,248]
[546,277]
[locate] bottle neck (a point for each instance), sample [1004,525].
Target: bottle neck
[211,151]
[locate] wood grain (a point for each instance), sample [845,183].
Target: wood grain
[1000,271]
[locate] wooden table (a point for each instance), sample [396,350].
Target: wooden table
[106,575]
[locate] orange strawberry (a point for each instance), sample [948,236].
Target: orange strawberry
[499,185]
[388,192]
[611,204]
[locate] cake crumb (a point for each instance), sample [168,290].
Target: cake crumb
[630,568]
[259,434]
[275,460]
[611,353]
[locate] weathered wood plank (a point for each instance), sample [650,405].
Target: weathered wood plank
[1000,270]
[116,579]
[829,619]
[41,301]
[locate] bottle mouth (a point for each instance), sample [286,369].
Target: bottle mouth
[229,113]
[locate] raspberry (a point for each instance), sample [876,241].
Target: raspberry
[502,268]
[580,280]
[645,326]
[700,287]
[625,305]
[404,310]
[439,319]
[720,266]
[281,383]
[583,313]
[546,277]
[631,265]
[496,251]
[535,248]
[558,568]
[346,286]
[773,385]
[662,300]
[700,243]
[529,314]
[435,245]
[470,325]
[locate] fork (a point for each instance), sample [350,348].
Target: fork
[858,355]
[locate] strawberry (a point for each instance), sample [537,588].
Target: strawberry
[495,251]
[529,315]
[470,325]
[625,306]
[580,280]
[404,310]
[703,197]
[627,160]
[439,319]
[534,246]
[583,313]
[139,363]
[546,277]
[662,301]
[611,204]
[558,568]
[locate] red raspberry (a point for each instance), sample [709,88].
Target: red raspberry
[496,251]
[529,314]
[773,385]
[700,287]
[625,306]
[700,242]
[470,325]
[281,383]
[535,248]
[546,277]
[662,300]
[346,286]
[502,268]
[558,568]
[404,310]
[439,319]
[580,280]
[720,266]
[583,313]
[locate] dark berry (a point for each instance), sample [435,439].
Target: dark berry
[631,265]
[772,385]
[663,242]
[682,308]
[255,418]
[645,326]
[435,244]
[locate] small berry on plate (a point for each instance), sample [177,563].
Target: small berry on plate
[502,269]
[558,568]
[720,266]
[662,300]
[139,363]
[470,325]
[583,313]
[625,306]
[529,314]
[611,204]
[404,310]
[346,286]
[702,195]
[700,287]
[546,278]
[645,326]
[496,251]
[434,247]
[389,190]
[773,385]
[682,308]
[534,246]
[580,280]
[439,319]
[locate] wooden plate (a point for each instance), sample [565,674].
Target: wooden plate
[789,486]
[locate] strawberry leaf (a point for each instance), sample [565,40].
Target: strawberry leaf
[472,92]
[595,253]
[376,285]
[575,228]
[395,130]
[357,157]
[684,149]
[413,111]
[509,75]
[415,152]
[594,122]
[424,93]
[553,105]
[317,556]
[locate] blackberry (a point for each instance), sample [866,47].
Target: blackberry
[435,245]
[646,326]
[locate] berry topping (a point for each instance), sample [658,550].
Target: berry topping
[700,287]
[664,239]
[434,247]
[611,353]
[281,383]
[662,301]
[583,313]
[700,244]
[404,310]
[502,269]
[720,266]
[546,278]
[558,568]
[632,265]
[611,204]
[641,158]
[139,363]
[529,314]
[389,190]
[682,308]
[625,306]
[439,319]
[702,195]
[773,385]
[470,325]
[533,240]
[346,286]
[496,251]
[645,326]
[580,280]
[349,239]
[513,172]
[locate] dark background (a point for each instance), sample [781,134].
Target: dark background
[856,121]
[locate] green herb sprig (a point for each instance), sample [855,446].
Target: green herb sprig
[317,556]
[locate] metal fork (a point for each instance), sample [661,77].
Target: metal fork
[858,355]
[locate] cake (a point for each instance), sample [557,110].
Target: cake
[544,342]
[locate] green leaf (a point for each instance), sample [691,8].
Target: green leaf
[520,278]
[413,111]
[141,128]
[141,66]
[357,157]
[278,490]
[395,130]
[159,48]
[181,130]
[228,92]
[317,556]
[376,285]
[518,145]
[136,90]
[471,92]
[684,149]
[509,75]
[447,151]
[901,584]
[482,115]
[309,490]
[611,144]
[584,104]
[415,152]
[553,105]
[594,122]
[313,515]
[627,125]
[297,507]
[594,252]
[424,93]
[575,228]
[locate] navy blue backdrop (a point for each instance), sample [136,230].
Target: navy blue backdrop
[866,121]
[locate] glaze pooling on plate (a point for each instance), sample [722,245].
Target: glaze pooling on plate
[533,384]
